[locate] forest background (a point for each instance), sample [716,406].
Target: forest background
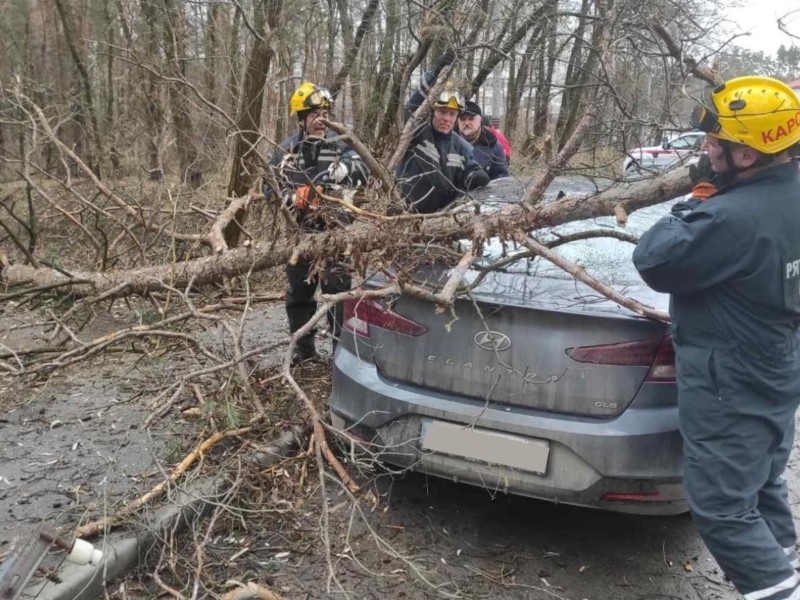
[134,134]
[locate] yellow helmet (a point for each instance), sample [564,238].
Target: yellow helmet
[449,97]
[759,112]
[309,97]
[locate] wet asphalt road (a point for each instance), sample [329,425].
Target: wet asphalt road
[539,549]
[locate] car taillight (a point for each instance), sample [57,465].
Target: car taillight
[656,353]
[360,313]
[663,368]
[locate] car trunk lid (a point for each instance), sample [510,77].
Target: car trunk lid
[511,342]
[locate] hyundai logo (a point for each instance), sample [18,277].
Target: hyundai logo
[493,341]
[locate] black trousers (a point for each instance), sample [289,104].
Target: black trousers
[300,302]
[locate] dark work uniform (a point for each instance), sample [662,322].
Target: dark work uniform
[436,169]
[489,154]
[732,267]
[308,162]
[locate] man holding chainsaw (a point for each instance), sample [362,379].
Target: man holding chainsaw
[302,166]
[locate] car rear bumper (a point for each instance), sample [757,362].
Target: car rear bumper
[635,457]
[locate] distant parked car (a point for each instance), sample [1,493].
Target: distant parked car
[670,153]
[535,385]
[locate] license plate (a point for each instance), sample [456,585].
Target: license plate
[526,454]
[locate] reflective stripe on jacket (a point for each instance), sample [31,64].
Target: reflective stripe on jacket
[435,169]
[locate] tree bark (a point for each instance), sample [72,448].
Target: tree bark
[570,99]
[495,58]
[545,70]
[245,169]
[175,49]
[520,84]
[378,95]
[354,45]
[88,113]
[514,219]
[151,97]
[211,46]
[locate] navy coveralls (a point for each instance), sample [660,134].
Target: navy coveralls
[732,267]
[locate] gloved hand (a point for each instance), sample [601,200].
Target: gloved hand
[426,82]
[306,196]
[339,171]
[702,178]
[475,179]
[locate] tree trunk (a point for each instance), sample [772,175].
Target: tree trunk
[245,168]
[570,99]
[587,73]
[110,120]
[151,97]
[174,37]
[353,44]
[376,95]
[88,114]
[234,58]
[211,47]
[546,68]
[495,58]
[510,221]
[393,115]
[520,84]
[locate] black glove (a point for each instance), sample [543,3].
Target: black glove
[704,180]
[476,179]
[701,170]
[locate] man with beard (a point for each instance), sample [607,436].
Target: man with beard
[730,260]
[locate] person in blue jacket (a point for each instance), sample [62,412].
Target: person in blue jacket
[486,148]
[438,165]
[730,258]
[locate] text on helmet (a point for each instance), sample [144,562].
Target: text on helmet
[773,135]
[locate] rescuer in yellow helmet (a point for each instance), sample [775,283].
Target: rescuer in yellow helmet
[730,258]
[302,165]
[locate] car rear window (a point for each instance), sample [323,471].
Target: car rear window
[605,258]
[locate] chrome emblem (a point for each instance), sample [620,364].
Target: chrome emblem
[494,341]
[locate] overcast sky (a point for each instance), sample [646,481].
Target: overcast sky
[760,18]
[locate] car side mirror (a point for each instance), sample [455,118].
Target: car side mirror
[665,144]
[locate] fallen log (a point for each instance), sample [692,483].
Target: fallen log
[387,234]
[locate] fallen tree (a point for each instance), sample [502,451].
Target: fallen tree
[361,238]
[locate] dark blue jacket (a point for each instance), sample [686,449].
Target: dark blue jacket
[436,169]
[489,154]
[310,159]
[299,161]
[732,265]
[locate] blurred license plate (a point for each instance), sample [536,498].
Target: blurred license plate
[497,448]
